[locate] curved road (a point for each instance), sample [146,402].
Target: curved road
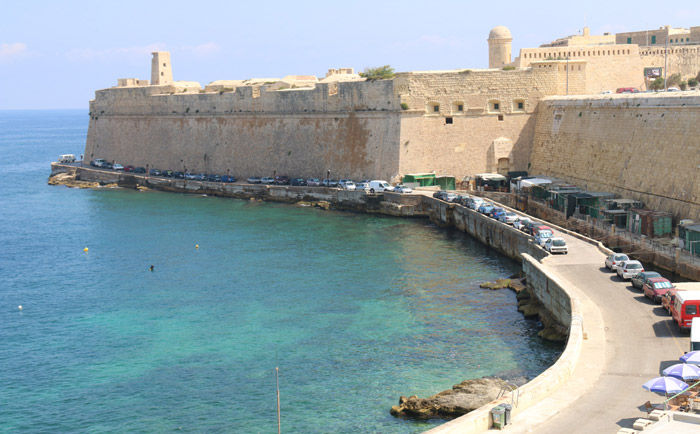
[630,340]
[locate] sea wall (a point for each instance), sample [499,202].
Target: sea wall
[640,147]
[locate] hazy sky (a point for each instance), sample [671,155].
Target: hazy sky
[56,54]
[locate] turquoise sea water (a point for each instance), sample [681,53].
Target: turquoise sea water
[356,310]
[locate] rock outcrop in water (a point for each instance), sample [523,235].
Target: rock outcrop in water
[69,180]
[461,399]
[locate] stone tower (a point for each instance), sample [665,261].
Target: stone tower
[499,47]
[161,70]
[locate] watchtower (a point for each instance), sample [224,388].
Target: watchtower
[161,70]
[499,47]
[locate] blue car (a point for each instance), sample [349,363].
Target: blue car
[227,178]
[496,212]
[485,208]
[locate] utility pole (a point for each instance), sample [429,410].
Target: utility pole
[666,62]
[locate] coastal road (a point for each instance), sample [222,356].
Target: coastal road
[634,342]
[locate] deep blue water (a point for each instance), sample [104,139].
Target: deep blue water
[356,310]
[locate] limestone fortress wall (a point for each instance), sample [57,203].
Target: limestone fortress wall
[645,148]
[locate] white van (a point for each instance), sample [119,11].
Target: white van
[695,334]
[379,186]
[66,158]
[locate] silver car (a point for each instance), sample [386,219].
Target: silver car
[612,261]
[402,189]
[314,182]
[508,217]
[267,180]
[519,223]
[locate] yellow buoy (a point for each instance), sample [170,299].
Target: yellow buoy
[85,249]
[196,246]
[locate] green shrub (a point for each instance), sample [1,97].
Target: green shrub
[385,72]
[404,106]
[683,85]
[508,68]
[692,82]
[657,84]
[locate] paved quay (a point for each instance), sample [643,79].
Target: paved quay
[629,341]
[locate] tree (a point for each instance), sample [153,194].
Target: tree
[692,82]
[657,84]
[385,72]
[674,80]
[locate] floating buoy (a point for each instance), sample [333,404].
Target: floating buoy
[196,246]
[85,250]
[151,268]
[19,307]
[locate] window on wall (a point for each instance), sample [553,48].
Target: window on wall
[500,117]
[436,108]
[653,39]
[629,40]
[496,106]
[460,108]
[521,105]
[448,121]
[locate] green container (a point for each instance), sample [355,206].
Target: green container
[498,416]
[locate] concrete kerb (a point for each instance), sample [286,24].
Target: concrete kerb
[544,384]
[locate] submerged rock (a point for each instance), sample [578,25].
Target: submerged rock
[461,399]
[69,180]
[512,283]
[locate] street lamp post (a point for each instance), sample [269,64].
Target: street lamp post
[328,177]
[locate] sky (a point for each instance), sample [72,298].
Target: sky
[54,55]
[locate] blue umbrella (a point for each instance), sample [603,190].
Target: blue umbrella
[691,357]
[683,371]
[665,385]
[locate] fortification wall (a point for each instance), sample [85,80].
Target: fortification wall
[641,147]
[452,119]
[608,66]
[350,128]
[681,59]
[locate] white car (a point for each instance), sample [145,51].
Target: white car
[267,180]
[379,186]
[314,182]
[519,223]
[556,245]
[402,189]
[612,261]
[508,217]
[629,269]
[347,185]
[543,236]
[475,203]
[117,166]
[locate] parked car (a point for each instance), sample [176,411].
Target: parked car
[297,182]
[475,203]
[402,189]
[640,278]
[627,90]
[190,176]
[529,227]
[179,175]
[508,217]
[214,178]
[329,182]
[440,194]
[556,245]
[668,299]
[227,178]
[612,261]
[496,212]
[97,162]
[543,235]
[155,172]
[267,180]
[463,199]
[627,269]
[254,180]
[106,165]
[485,208]
[66,158]
[342,182]
[378,186]
[168,173]
[117,166]
[520,222]
[348,185]
[128,168]
[282,180]
[685,307]
[313,182]
[656,287]
[139,170]
[362,186]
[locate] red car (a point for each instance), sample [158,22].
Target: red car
[128,168]
[657,287]
[627,90]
